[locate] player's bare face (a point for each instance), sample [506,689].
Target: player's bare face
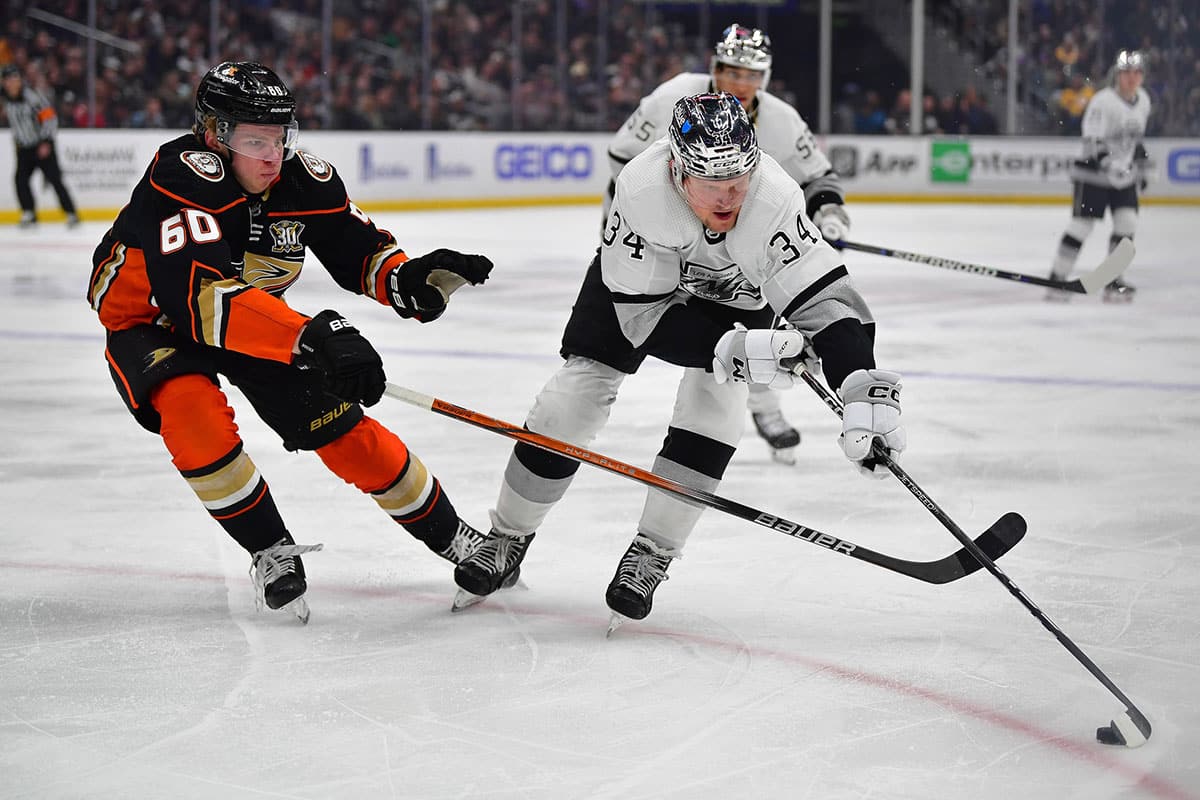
[741,83]
[716,202]
[1128,82]
[257,155]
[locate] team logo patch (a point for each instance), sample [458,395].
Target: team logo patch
[206,165]
[318,168]
[285,236]
[156,357]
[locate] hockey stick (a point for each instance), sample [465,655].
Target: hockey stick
[994,542]
[1112,266]
[1117,731]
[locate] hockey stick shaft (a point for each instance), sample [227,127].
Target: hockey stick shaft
[997,539]
[1110,268]
[879,453]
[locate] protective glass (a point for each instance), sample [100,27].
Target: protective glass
[722,195]
[264,142]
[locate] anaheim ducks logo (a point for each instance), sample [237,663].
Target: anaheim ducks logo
[206,165]
[285,236]
[156,357]
[318,168]
[270,274]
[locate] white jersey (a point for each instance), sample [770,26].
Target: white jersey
[782,134]
[1115,128]
[655,252]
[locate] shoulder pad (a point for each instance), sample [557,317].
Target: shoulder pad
[312,184]
[647,199]
[186,172]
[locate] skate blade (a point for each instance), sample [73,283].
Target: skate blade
[784,455]
[299,607]
[464,600]
[1118,298]
[614,622]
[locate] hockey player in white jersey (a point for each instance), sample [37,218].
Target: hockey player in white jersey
[1114,168]
[741,65]
[705,232]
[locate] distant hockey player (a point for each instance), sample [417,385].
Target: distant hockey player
[189,282]
[705,232]
[741,65]
[1114,168]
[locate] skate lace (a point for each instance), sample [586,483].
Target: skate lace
[463,544]
[272,563]
[643,570]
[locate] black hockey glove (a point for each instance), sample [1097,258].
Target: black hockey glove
[352,369]
[420,287]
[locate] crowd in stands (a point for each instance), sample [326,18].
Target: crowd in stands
[1067,48]
[611,54]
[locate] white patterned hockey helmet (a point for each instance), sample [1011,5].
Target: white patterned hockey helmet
[711,138]
[1130,60]
[746,48]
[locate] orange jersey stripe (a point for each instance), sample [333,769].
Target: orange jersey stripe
[121,290]
[263,325]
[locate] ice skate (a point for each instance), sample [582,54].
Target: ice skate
[779,434]
[465,541]
[28,220]
[494,564]
[1054,295]
[73,220]
[1118,291]
[630,595]
[278,576]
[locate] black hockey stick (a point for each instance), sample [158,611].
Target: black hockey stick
[1090,283]
[1117,731]
[994,542]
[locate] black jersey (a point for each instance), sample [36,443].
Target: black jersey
[193,250]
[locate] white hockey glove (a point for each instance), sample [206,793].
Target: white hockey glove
[754,356]
[871,412]
[833,221]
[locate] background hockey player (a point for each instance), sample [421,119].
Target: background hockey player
[188,283]
[34,126]
[1114,168]
[741,65]
[705,232]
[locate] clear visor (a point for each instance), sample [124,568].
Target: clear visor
[723,194]
[731,74]
[264,142]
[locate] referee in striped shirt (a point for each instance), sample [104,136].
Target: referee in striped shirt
[33,124]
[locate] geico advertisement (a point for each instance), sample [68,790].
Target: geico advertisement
[463,166]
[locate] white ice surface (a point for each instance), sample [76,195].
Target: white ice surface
[133,663]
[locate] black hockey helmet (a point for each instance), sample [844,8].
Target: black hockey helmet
[712,138]
[10,71]
[236,92]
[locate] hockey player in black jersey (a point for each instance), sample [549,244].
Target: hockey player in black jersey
[705,232]
[188,283]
